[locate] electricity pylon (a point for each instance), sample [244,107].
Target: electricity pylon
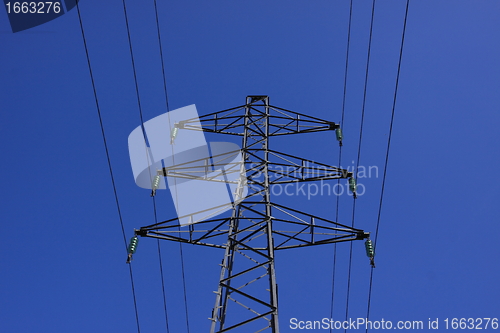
[247,294]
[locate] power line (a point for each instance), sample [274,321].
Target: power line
[364,91]
[359,151]
[340,154]
[161,57]
[184,287]
[142,125]
[175,180]
[161,271]
[109,161]
[156,221]
[387,152]
[145,138]
[133,67]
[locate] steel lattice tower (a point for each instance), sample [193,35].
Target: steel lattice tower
[247,295]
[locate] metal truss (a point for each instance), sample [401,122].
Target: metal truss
[247,295]
[248,119]
[292,229]
[284,168]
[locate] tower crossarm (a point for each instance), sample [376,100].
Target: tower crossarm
[282,168]
[292,229]
[280,121]
[285,168]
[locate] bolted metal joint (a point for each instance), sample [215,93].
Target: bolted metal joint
[362,235]
[141,232]
[333,126]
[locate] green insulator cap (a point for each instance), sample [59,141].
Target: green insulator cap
[338,133]
[174,132]
[132,246]
[370,251]
[352,184]
[156,182]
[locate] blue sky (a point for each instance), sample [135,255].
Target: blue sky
[62,251]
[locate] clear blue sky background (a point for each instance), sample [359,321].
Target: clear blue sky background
[62,254]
